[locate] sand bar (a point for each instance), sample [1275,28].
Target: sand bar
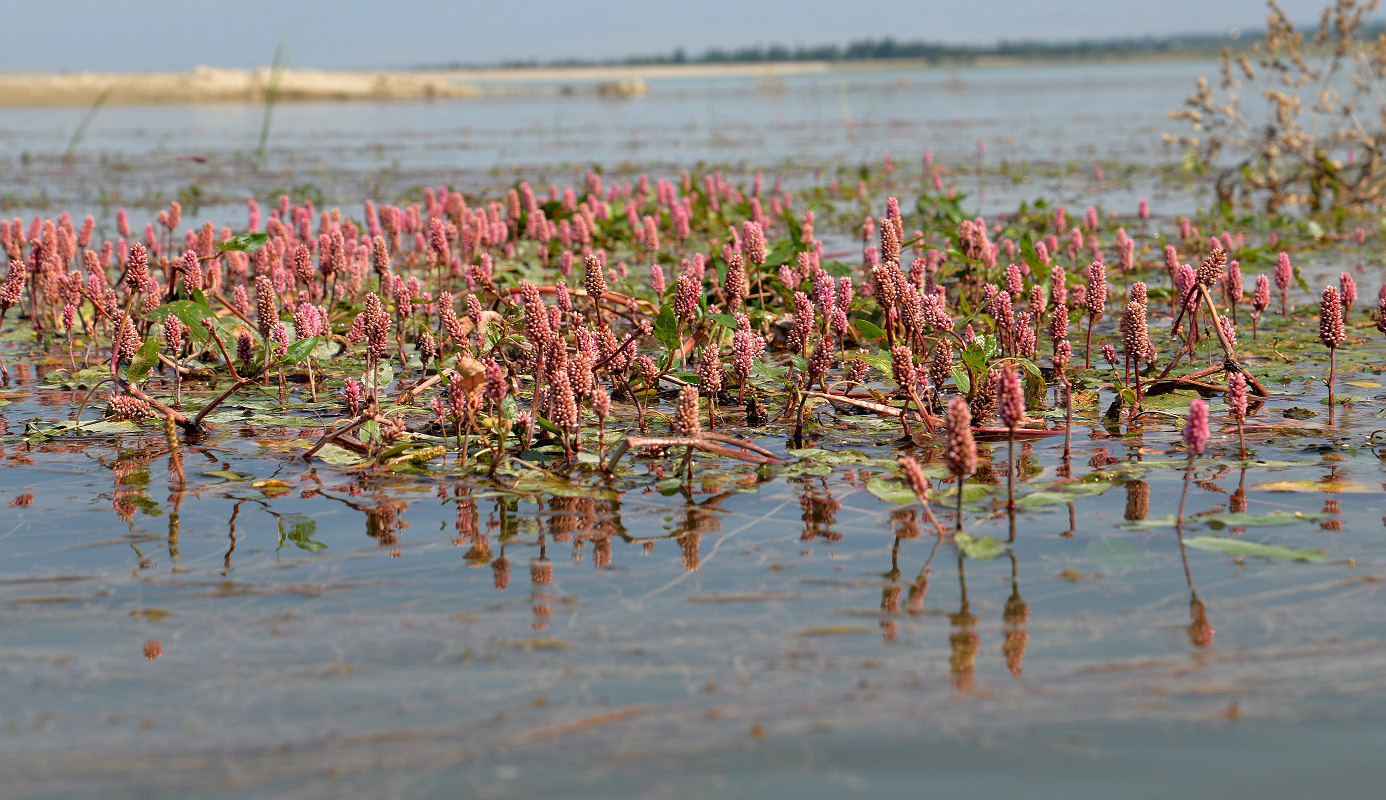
[218,85]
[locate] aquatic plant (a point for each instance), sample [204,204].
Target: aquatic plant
[960,454]
[1332,334]
[1195,440]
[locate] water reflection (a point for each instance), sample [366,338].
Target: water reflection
[1137,500]
[1200,630]
[963,640]
[819,509]
[578,549]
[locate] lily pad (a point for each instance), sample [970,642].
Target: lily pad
[1116,554]
[983,549]
[971,492]
[1245,549]
[834,459]
[1239,520]
[834,630]
[891,490]
[1336,487]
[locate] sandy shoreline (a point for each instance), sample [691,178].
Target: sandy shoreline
[216,85]
[225,85]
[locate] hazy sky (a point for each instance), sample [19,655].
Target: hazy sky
[151,35]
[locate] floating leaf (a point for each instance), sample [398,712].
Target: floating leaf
[152,614]
[983,549]
[1237,463]
[1336,487]
[105,426]
[1044,498]
[850,457]
[1116,554]
[81,379]
[1240,520]
[384,374]
[272,487]
[338,456]
[1363,384]
[1244,549]
[1167,521]
[834,630]
[971,492]
[891,490]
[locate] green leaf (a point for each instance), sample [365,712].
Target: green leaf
[1244,549]
[725,320]
[1239,520]
[81,379]
[891,490]
[145,359]
[784,253]
[666,327]
[669,485]
[338,456]
[99,427]
[548,426]
[868,330]
[191,312]
[971,492]
[962,380]
[980,353]
[1027,365]
[245,243]
[1299,279]
[384,374]
[1115,553]
[301,349]
[1167,521]
[983,549]
[878,361]
[836,459]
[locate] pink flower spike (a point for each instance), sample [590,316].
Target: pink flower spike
[1196,427]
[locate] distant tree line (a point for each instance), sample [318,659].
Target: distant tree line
[888,48]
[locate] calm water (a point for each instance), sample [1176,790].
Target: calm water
[1067,118]
[781,633]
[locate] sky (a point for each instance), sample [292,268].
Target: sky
[166,35]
